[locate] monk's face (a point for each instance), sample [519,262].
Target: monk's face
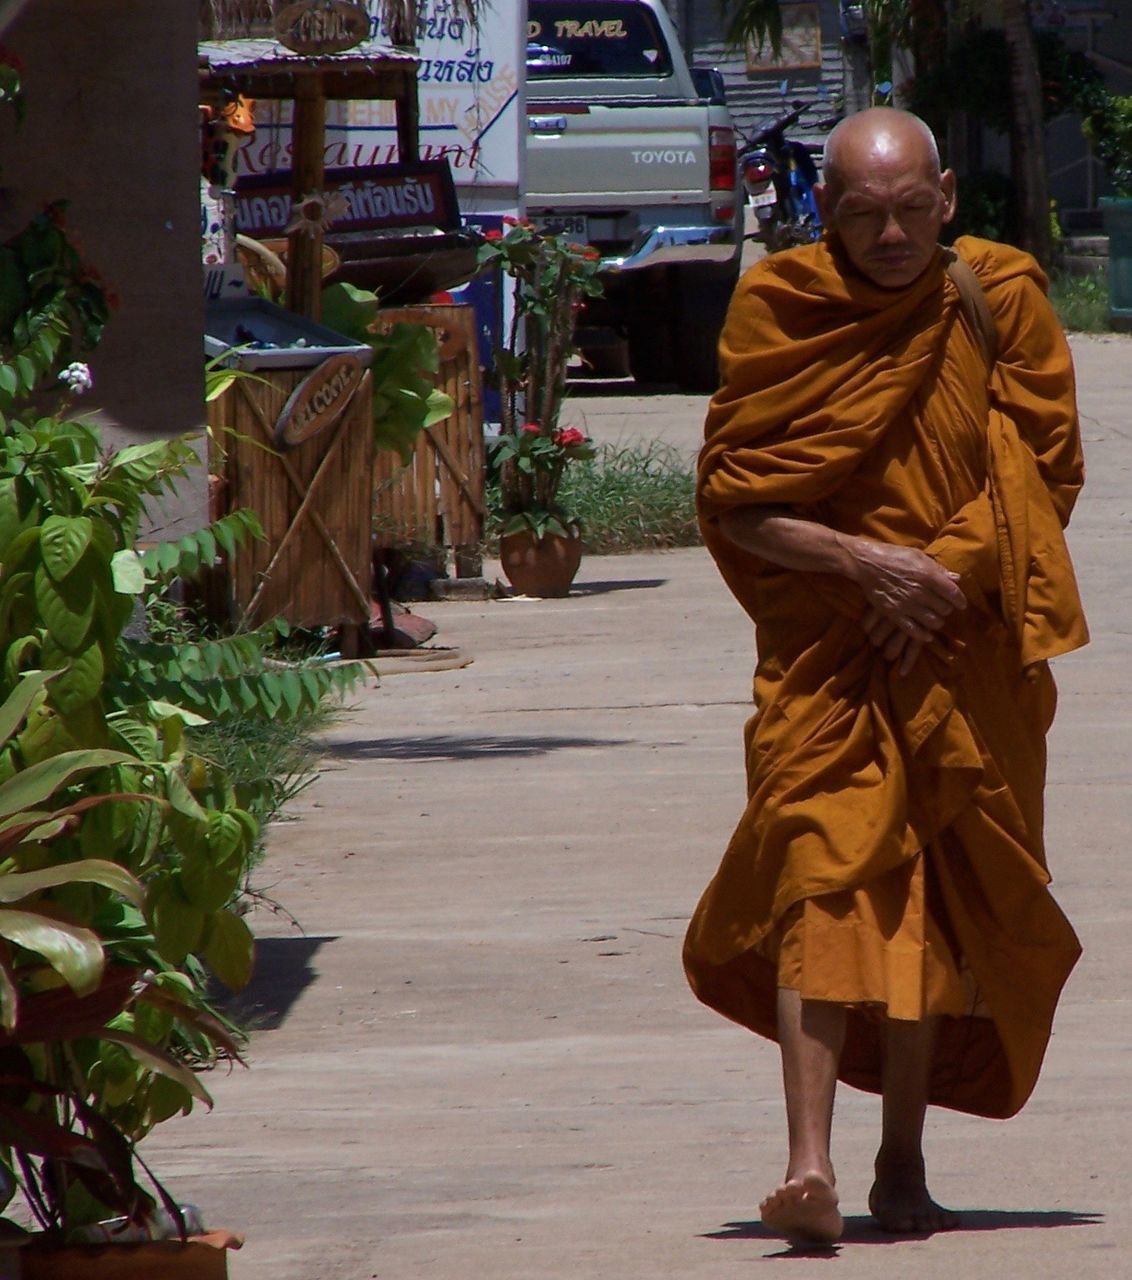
[886,203]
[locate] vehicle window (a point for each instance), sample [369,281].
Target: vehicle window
[594,38]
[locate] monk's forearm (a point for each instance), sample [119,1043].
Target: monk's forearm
[902,584]
[774,535]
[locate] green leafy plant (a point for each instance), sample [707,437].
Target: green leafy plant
[1081,301]
[528,467]
[1109,128]
[52,307]
[405,401]
[550,278]
[124,848]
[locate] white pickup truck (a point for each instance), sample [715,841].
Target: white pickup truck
[630,150]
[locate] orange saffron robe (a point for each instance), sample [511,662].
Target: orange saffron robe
[890,856]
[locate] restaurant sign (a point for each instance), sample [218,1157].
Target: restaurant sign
[321,26]
[320,399]
[379,198]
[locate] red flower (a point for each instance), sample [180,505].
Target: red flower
[508,221]
[532,428]
[493,234]
[591,254]
[567,436]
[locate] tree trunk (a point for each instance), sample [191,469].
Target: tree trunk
[1027,135]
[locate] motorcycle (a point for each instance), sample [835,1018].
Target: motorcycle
[779,175]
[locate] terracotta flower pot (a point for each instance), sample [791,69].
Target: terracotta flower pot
[198,1259]
[543,567]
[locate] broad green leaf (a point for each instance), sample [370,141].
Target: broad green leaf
[153,1059]
[81,681]
[181,798]
[73,952]
[19,701]
[168,711]
[30,787]
[62,542]
[177,924]
[208,881]
[164,1099]
[231,950]
[225,835]
[15,885]
[67,607]
[17,510]
[438,406]
[127,572]
[140,738]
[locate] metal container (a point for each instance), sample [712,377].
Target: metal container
[267,336]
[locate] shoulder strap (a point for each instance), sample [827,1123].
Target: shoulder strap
[976,309]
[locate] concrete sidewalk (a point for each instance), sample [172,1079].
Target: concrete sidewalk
[481,1059]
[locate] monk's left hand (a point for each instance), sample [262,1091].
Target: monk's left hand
[896,645]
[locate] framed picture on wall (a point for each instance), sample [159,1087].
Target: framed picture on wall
[801,42]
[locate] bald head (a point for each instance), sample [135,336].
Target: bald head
[878,134]
[882,195]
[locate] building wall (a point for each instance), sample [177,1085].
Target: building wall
[111,126]
[754,94]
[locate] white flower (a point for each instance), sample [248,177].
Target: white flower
[77,377]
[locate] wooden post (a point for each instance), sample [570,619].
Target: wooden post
[408,126]
[304,248]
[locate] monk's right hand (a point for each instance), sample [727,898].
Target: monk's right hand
[904,587]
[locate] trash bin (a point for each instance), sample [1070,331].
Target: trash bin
[1118,223]
[293,442]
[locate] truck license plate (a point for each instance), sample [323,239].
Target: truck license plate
[553,224]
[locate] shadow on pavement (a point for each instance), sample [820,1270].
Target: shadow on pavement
[861,1229]
[283,971]
[625,584]
[445,747]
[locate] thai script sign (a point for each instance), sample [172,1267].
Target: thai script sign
[385,197]
[469,86]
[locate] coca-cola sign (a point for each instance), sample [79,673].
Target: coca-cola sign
[321,26]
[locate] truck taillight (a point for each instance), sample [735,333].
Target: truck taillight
[722,159]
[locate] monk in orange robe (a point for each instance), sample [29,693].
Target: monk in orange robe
[888,507]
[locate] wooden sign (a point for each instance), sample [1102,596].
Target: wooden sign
[320,399]
[321,26]
[381,197]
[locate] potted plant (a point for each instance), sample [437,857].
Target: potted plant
[550,276]
[1109,128]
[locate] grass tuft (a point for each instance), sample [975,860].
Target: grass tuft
[1081,302]
[632,498]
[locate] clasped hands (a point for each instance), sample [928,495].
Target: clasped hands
[909,598]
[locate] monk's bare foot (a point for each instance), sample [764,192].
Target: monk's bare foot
[804,1208]
[900,1203]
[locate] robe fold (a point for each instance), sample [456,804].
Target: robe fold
[890,856]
